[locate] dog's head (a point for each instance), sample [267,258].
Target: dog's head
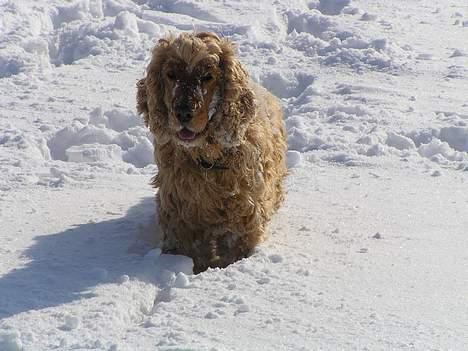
[195,92]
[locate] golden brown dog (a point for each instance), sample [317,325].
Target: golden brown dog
[219,146]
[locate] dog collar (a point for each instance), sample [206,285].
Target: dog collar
[210,165]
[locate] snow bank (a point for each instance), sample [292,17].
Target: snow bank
[53,35]
[293,158]
[79,10]
[24,43]
[93,153]
[19,142]
[342,129]
[321,36]
[456,137]
[77,40]
[286,84]
[399,142]
[110,136]
[446,145]
[64,34]
[117,120]
[439,151]
[332,7]
[10,341]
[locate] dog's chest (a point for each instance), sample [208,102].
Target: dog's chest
[196,184]
[207,196]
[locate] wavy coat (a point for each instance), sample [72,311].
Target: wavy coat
[217,192]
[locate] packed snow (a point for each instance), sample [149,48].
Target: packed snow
[369,250]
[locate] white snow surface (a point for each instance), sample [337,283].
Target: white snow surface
[368,252]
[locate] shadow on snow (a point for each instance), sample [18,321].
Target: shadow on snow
[65,266]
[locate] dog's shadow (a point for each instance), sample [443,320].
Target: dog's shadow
[65,266]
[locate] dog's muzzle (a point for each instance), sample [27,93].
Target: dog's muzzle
[184,113]
[187,101]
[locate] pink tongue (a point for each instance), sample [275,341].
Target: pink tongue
[186,134]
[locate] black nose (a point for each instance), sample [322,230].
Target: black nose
[184,114]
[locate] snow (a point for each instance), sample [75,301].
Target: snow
[71,322]
[368,250]
[293,158]
[10,341]
[113,135]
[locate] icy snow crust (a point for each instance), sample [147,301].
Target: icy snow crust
[369,249]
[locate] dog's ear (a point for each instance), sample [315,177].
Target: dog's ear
[234,75]
[150,95]
[238,97]
[142,100]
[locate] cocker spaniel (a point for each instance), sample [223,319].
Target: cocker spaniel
[219,145]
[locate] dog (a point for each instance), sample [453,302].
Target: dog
[219,146]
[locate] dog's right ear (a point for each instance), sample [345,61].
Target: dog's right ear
[142,100]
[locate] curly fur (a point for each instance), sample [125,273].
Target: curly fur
[216,216]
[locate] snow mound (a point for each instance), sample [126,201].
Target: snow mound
[71,322]
[111,136]
[78,134]
[140,154]
[11,64]
[64,34]
[10,341]
[286,84]
[311,127]
[118,120]
[24,44]
[456,137]
[458,53]
[439,151]
[330,7]
[22,143]
[194,9]
[357,110]
[293,158]
[312,22]
[167,270]
[446,145]
[78,40]
[400,142]
[339,134]
[93,153]
[79,10]
[322,37]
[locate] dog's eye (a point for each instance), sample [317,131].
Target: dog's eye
[206,78]
[171,75]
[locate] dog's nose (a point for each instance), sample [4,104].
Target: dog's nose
[184,114]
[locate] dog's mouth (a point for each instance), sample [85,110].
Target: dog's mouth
[186,134]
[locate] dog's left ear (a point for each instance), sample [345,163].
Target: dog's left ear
[238,98]
[142,100]
[234,75]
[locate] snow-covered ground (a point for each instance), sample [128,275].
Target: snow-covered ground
[369,251]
